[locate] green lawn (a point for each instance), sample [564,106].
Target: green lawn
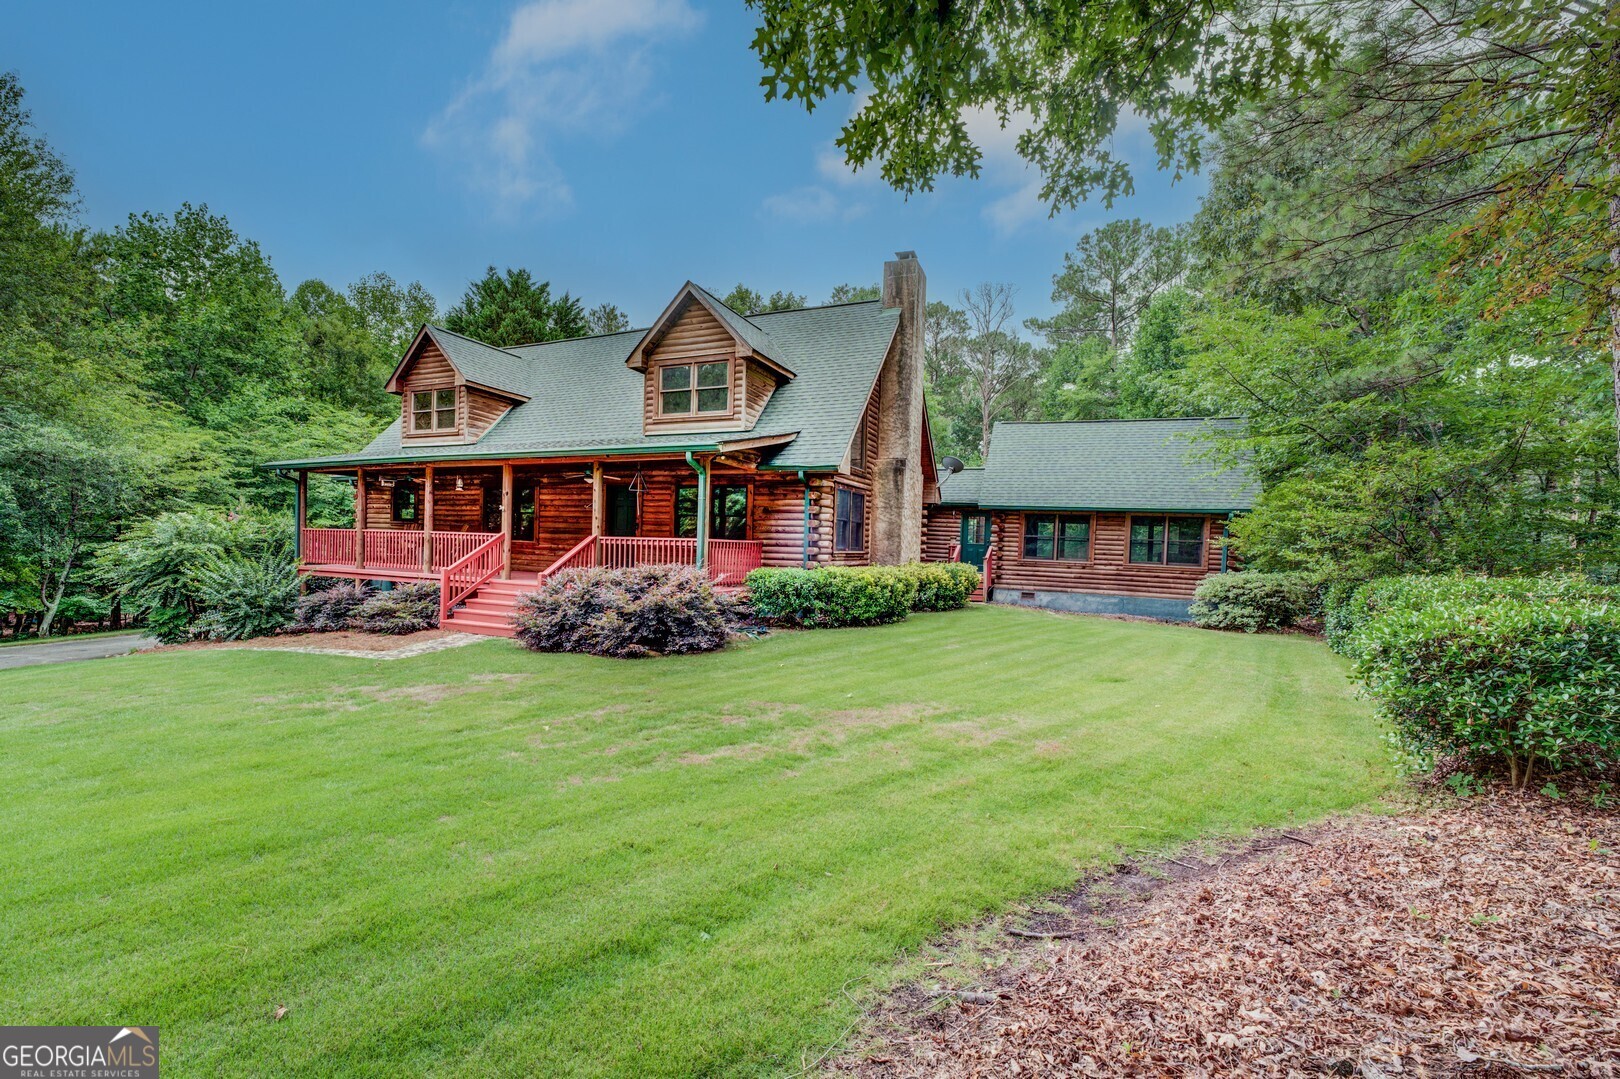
[484,861]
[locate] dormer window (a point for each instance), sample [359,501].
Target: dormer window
[694,389]
[433,411]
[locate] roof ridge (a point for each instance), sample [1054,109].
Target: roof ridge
[582,337]
[445,329]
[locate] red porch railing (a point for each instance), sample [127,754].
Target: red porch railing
[579,556]
[730,561]
[451,547]
[622,552]
[392,548]
[327,545]
[464,576]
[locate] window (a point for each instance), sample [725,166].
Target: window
[489,507]
[1173,541]
[849,521]
[1057,536]
[694,388]
[728,512]
[404,500]
[524,512]
[433,410]
[976,528]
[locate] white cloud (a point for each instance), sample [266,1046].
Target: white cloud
[563,67]
[810,204]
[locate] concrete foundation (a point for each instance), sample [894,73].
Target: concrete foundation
[1171,610]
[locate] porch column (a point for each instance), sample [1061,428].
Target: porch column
[506,522]
[701,553]
[359,518]
[598,501]
[427,519]
[300,513]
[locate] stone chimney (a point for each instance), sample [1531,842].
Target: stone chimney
[897,482]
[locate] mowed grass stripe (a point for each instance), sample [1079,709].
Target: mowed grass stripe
[484,861]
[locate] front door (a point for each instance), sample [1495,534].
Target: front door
[975,537]
[621,510]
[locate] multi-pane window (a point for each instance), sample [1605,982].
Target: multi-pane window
[849,521]
[728,512]
[694,388]
[1173,541]
[403,500]
[433,410]
[1057,536]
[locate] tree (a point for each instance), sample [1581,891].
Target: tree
[1079,380]
[215,308]
[746,301]
[353,340]
[61,495]
[995,368]
[1110,278]
[854,293]
[512,309]
[1067,71]
[607,318]
[390,314]
[1147,386]
[40,250]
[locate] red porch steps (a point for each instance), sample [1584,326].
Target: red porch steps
[488,611]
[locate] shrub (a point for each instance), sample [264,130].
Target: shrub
[1500,679]
[329,609]
[833,596]
[1252,602]
[408,608]
[627,613]
[942,586]
[1345,621]
[246,597]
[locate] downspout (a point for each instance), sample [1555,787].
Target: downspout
[702,471]
[804,550]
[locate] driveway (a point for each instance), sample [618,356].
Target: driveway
[67,649]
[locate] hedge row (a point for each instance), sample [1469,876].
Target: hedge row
[1510,674]
[859,595]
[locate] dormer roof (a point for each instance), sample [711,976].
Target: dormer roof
[482,366]
[750,338]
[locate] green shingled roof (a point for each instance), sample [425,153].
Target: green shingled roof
[484,364]
[583,399]
[962,488]
[1111,465]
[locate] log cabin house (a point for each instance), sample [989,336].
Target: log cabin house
[728,442]
[710,438]
[1100,516]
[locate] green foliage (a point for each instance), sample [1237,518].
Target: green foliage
[328,610]
[245,596]
[1068,70]
[1111,277]
[1079,380]
[607,318]
[746,301]
[833,596]
[406,608]
[514,309]
[625,613]
[159,564]
[942,586]
[1252,602]
[847,293]
[1514,674]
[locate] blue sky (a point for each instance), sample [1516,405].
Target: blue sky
[614,147]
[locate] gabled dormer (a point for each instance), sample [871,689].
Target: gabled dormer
[706,367]
[452,389]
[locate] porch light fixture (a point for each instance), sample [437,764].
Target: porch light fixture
[458,483]
[385,481]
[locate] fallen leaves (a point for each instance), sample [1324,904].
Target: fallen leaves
[1481,938]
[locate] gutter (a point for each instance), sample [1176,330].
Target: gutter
[504,455]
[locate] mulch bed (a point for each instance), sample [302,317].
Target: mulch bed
[1477,937]
[341,640]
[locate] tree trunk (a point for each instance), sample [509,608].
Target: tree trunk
[1614,284]
[53,602]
